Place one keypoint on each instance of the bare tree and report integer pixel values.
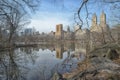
(113, 6)
(12, 14)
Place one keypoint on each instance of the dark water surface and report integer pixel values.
(39, 63)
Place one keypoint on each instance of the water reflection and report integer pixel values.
(39, 63)
(59, 51)
(9, 66)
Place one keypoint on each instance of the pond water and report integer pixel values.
(39, 63)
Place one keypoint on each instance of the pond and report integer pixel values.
(40, 63)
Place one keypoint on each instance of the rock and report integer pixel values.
(112, 54)
(57, 76)
(101, 64)
(92, 56)
(103, 50)
(97, 68)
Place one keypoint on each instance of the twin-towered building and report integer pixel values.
(102, 26)
(99, 31)
(82, 34)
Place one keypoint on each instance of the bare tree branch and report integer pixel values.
(78, 13)
(87, 14)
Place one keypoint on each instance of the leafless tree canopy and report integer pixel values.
(12, 13)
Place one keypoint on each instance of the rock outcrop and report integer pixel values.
(102, 63)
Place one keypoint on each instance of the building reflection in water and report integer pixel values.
(79, 49)
(17, 63)
(62, 48)
(59, 51)
(73, 55)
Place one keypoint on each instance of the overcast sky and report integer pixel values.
(61, 12)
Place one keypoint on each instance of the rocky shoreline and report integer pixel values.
(102, 63)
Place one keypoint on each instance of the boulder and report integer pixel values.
(112, 54)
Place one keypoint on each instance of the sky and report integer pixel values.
(51, 13)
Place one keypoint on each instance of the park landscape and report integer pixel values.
(87, 47)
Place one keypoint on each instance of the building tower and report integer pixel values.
(59, 31)
(103, 25)
(94, 20)
(102, 19)
(94, 26)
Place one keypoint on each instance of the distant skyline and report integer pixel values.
(61, 12)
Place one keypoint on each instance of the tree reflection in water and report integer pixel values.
(34, 63)
(9, 68)
(13, 65)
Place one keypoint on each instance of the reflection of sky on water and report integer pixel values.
(45, 63)
(36, 63)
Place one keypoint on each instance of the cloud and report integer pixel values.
(46, 21)
(50, 14)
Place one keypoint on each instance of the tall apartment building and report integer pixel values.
(59, 31)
